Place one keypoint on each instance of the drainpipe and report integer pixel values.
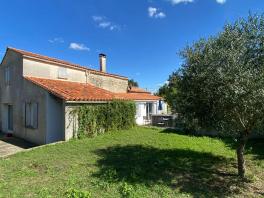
(86, 76)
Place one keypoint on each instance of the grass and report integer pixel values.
(141, 162)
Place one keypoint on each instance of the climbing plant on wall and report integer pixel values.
(94, 119)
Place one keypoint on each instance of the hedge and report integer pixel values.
(94, 119)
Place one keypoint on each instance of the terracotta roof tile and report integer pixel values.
(74, 91)
(46, 58)
(137, 90)
(138, 96)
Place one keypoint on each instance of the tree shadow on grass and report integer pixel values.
(201, 174)
(254, 147)
(175, 131)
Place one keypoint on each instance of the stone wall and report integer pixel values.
(109, 83)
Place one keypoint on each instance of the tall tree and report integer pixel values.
(169, 90)
(132, 83)
(221, 83)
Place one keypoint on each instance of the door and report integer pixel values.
(10, 118)
(149, 110)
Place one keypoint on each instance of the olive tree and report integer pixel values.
(169, 90)
(221, 82)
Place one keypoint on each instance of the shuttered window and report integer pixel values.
(32, 115)
(7, 75)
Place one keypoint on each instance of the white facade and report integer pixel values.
(144, 110)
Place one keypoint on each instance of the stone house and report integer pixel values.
(37, 94)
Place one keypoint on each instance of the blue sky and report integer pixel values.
(140, 37)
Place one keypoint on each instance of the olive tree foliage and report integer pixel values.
(221, 82)
(169, 90)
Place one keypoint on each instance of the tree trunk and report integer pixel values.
(240, 153)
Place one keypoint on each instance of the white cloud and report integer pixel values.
(79, 47)
(114, 27)
(174, 2)
(56, 40)
(221, 1)
(161, 15)
(103, 22)
(154, 13)
(97, 18)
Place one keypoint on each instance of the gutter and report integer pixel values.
(86, 102)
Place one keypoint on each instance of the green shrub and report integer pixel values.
(96, 119)
(73, 193)
(126, 190)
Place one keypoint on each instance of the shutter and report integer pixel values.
(7, 76)
(34, 115)
(139, 110)
(28, 114)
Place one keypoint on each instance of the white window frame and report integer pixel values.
(31, 115)
(62, 73)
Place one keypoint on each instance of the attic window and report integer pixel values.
(62, 73)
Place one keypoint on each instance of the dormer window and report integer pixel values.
(62, 73)
(7, 75)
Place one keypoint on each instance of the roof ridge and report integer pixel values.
(48, 58)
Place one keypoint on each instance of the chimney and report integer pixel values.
(102, 62)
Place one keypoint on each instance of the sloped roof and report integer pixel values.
(74, 91)
(138, 96)
(137, 90)
(46, 58)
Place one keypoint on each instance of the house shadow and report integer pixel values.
(16, 141)
(198, 173)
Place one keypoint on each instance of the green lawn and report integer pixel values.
(140, 162)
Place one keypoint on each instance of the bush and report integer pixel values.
(73, 193)
(95, 119)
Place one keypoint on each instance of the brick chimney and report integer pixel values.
(102, 62)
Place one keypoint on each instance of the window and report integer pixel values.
(7, 75)
(32, 115)
(149, 108)
(160, 105)
(62, 73)
(10, 117)
(138, 110)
